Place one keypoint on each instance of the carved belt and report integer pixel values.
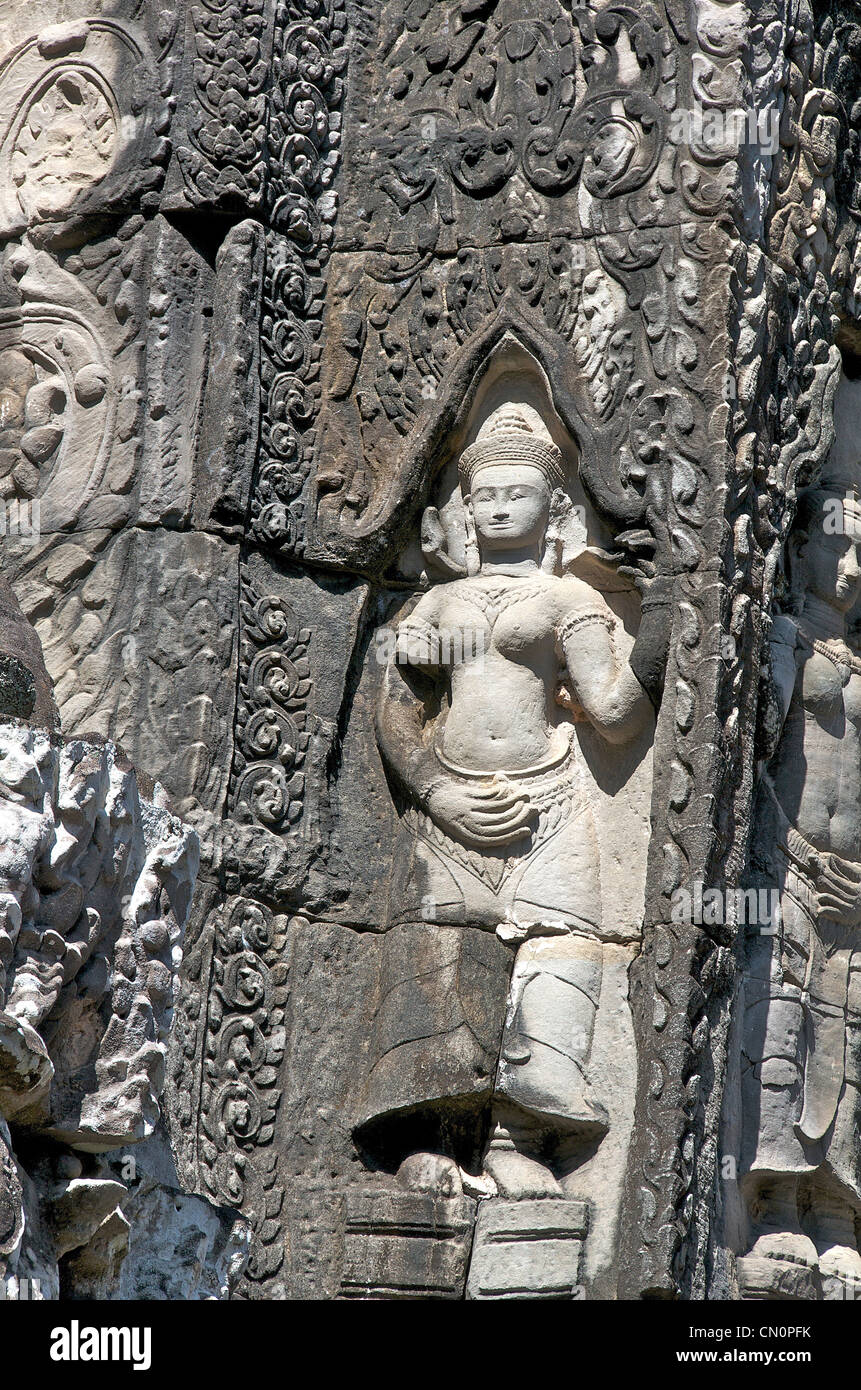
(555, 789)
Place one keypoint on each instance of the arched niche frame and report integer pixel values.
(509, 359)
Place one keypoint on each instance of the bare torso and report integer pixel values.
(503, 715)
(818, 773)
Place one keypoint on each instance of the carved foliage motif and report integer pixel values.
(784, 370)
(484, 147)
(225, 159)
(483, 131)
(679, 982)
(484, 101)
(304, 140)
(290, 353)
(489, 160)
(242, 1050)
(477, 196)
(271, 738)
(264, 88)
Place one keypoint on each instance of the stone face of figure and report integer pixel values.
(832, 567)
(476, 724)
(803, 985)
(510, 508)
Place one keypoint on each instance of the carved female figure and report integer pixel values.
(802, 1048)
(476, 726)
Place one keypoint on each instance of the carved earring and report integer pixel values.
(565, 537)
(473, 554)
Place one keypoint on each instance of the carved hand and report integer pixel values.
(483, 817)
(648, 658)
(839, 891)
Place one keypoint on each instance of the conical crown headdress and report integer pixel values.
(512, 434)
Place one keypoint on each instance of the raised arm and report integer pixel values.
(783, 649)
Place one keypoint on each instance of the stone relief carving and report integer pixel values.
(85, 118)
(476, 723)
(274, 689)
(800, 1080)
(95, 886)
(243, 1049)
(304, 131)
(485, 631)
(238, 369)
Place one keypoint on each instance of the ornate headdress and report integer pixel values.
(513, 434)
(833, 499)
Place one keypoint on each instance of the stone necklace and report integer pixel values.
(492, 594)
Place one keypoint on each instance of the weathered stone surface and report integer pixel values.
(26, 692)
(180, 1247)
(416, 428)
(528, 1249)
(95, 887)
(85, 115)
(144, 652)
(403, 1245)
(230, 416)
(799, 1140)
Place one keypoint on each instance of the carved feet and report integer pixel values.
(805, 1245)
(512, 1160)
